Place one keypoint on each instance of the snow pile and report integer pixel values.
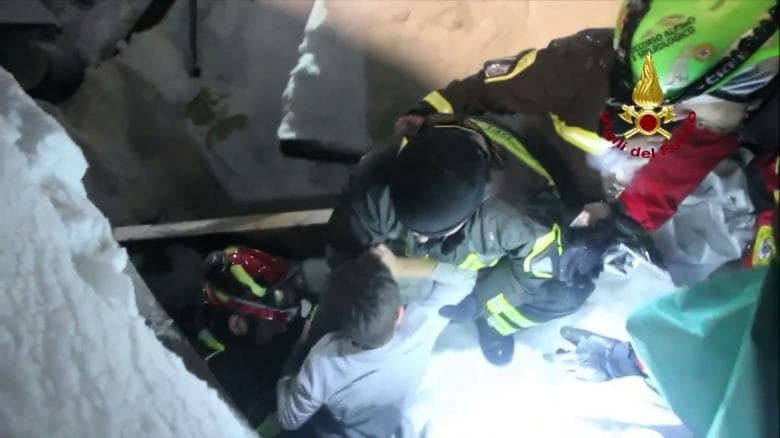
(94, 28)
(77, 360)
(363, 64)
(463, 395)
(185, 142)
(327, 71)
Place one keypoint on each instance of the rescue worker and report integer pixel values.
(718, 59)
(249, 293)
(251, 299)
(465, 191)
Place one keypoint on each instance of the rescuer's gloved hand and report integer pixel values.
(583, 256)
(466, 310)
(596, 358)
(409, 124)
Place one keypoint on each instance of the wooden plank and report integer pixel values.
(258, 222)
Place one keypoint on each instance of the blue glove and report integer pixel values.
(596, 358)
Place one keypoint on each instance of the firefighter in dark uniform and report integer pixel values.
(562, 90)
(466, 191)
(718, 59)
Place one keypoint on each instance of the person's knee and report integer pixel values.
(556, 300)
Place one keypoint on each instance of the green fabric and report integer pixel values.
(270, 428)
(688, 37)
(696, 344)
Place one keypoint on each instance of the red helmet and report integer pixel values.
(250, 282)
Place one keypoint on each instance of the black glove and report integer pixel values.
(596, 358)
(633, 235)
(583, 255)
(466, 310)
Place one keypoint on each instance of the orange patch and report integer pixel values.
(703, 52)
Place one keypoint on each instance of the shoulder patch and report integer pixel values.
(498, 67)
(504, 69)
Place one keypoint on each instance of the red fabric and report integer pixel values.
(660, 186)
(766, 164)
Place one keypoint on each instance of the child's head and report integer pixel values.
(368, 300)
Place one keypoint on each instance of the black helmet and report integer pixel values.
(439, 179)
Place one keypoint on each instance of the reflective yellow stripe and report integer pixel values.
(438, 102)
(764, 246)
(499, 305)
(207, 338)
(521, 65)
(404, 141)
(501, 326)
(241, 275)
(462, 128)
(471, 263)
(541, 244)
(474, 262)
(511, 143)
(588, 141)
(222, 296)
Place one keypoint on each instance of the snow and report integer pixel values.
(78, 359)
(328, 70)
(152, 161)
(462, 395)
(94, 29)
(363, 64)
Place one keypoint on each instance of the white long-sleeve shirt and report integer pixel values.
(366, 390)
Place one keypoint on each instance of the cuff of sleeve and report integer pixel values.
(449, 273)
(422, 109)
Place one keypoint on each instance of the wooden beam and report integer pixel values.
(259, 222)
